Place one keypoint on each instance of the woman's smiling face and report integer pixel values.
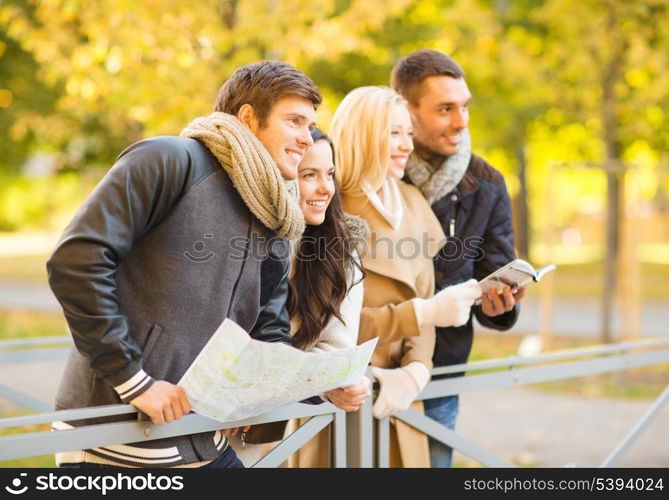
(315, 176)
(401, 141)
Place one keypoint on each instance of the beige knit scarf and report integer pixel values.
(252, 170)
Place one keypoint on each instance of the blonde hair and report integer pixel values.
(360, 131)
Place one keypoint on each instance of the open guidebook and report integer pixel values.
(516, 274)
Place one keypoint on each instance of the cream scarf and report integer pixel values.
(253, 172)
(387, 201)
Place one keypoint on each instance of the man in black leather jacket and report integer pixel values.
(147, 269)
(470, 200)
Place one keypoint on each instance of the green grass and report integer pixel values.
(636, 383)
(27, 268)
(43, 461)
(586, 281)
(28, 324)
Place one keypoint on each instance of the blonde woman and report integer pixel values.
(372, 135)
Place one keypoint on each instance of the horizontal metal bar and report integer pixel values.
(294, 442)
(34, 355)
(40, 443)
(282, 413)
(67, 415)
(533, 375)
(23, 399)
(551, 356)
(451, 438)
(35, 341)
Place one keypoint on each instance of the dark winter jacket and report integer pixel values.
(476, 218)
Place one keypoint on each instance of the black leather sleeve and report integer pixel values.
(273, 323)
(137, 192)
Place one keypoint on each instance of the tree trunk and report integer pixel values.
(611, 258)
(522, 233)
(613, 167)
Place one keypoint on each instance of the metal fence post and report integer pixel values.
(339, 440)
(360, 432)
(383, 442)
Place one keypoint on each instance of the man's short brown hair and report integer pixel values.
(263, 84)
(408, 74)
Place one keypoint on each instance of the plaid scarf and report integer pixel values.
(436, 183)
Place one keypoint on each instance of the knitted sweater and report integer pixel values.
(337, 335)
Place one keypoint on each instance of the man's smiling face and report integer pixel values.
(286, 133)
(441, 114)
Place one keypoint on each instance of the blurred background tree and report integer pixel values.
(568, 96)
(570, 103)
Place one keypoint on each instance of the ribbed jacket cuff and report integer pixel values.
(134, 386)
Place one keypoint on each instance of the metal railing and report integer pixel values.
(516, 371)
(36, 443)
(358, 440)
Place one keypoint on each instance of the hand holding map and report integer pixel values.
(235, 376)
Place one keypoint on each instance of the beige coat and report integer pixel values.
(398, 267)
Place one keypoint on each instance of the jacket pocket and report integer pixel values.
(151, 341)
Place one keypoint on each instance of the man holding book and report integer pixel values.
(470, 200)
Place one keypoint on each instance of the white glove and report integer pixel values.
(399, 387)
(449, 307)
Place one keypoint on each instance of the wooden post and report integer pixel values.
(629, 267)
(547, 288)
(613, 182)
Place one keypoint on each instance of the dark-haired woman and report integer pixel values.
(326, 293)
(326, 278)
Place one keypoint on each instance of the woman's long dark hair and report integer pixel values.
(324, 260)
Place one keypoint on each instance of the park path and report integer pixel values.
(544, 429)
(572, 317)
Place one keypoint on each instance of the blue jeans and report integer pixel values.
(445, 411)
(226, 460)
